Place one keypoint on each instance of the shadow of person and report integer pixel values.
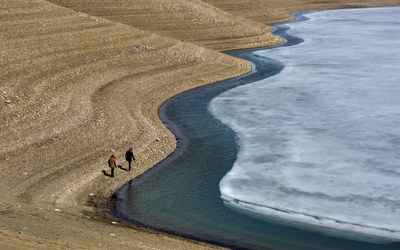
(105, 173)
(120, 167)
(114, 201)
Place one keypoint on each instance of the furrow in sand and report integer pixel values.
(187, 20)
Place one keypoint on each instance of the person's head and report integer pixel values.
(130, 149)
(112, 156)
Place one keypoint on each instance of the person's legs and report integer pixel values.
(112, 172)
(129, 166)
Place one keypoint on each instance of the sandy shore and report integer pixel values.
(84, 80)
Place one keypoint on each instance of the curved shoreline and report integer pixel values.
(183, 141)
(182, 145)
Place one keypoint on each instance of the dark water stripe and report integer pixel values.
(181, 196)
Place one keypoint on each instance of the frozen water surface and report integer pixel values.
(320, 141)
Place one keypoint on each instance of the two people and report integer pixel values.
(129, 157)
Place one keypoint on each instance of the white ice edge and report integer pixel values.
(307, 222)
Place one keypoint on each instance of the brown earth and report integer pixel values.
(273, 11)
(189, 20)
(84, 80)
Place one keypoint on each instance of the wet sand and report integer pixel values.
(84, 80)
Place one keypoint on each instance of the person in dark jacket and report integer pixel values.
(112, 163)
(129, 157)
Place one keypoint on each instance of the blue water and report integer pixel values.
(181, 195)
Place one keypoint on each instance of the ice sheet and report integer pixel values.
(320, 141)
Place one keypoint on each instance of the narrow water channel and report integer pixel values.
(181, 195)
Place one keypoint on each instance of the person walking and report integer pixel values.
(129, 156)
(112, 163)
